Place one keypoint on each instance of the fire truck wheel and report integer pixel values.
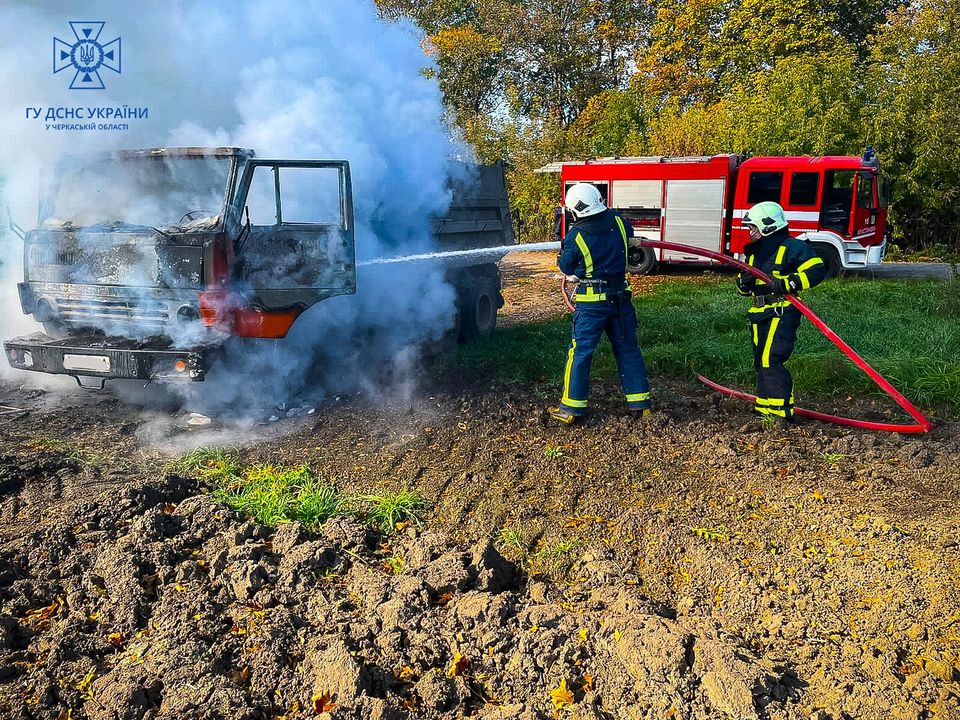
(831, 258)
(642, 261)
(478, 305)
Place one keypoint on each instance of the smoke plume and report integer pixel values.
(312, 79)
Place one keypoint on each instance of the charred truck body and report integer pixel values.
(144, 263)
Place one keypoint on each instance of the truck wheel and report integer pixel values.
(478, 305)
(641, 260)
(831, 258)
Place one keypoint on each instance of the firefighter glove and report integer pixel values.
(746, 284)
(784, 286)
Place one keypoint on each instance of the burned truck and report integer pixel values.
(144, 263)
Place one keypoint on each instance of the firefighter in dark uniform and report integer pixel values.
(773, 320)
(595, 253)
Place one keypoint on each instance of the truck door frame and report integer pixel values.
(341, 279)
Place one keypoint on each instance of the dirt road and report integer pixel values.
(690, 566)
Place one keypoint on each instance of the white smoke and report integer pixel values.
(313, 79)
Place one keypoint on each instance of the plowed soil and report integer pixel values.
(691, 565)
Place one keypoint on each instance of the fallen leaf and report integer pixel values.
(241, 677)
(168, 508)
(587, 683)
(84, 685)
(323, 702)
(40, 616)
(561, 696)
(405, 673)
(818, 496)
(443, 599)
(458, 666)
(583, 634)
(116, 639)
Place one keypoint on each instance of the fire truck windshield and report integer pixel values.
(152, 191)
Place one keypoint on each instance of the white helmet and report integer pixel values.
(584, 200)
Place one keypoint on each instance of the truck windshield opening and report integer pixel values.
(166, 191)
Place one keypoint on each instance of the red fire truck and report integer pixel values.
(838, 203)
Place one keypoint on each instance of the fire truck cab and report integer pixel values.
(837, 203)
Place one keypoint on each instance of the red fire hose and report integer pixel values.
(921, 426)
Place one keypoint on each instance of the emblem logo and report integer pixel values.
(87, 55)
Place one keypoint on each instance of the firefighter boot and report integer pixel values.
(640, 413)
(562, 415)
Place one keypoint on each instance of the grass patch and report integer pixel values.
(909, 330)
(216, 465)
(273, 495)
(390, 509)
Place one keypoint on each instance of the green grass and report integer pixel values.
(387, 510)
(907, 330)
(215, 465)
(273, 495)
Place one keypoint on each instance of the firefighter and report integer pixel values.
(773, 320)
(595, 254)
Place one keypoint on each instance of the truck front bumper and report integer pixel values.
(107, 358)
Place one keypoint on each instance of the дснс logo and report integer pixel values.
(87, 55)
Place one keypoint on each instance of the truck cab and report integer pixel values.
(838, 204)
(143, 262)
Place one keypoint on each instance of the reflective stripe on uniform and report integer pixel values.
(638, 397)
(765, 359)
(626, 247)
(756, 334)
(780, 253)
(566, 400)
(774, 305)
(801, 271)
(587, 257)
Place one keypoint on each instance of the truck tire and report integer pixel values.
(478, 303)
(831, 259)
(641, 260)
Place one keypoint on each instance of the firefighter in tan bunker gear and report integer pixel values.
(773, 320)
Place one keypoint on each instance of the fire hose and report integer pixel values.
(922, 424)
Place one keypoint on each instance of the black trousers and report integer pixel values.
(774, 337)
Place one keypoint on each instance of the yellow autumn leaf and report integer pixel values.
(617, 634)
(583, 634)
(458, 666)
(323, 702)
(818, 496)
(587, 683)
(561, 696)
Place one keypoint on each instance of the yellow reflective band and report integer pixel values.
(771, 411)
(765, 360)
(590, 295)
(776, 402)
(778, 304)
(638, 397)
(566, 380)
(801, 271)
(761, 401)
(626, 248)
(750, 261)
(756, 334)
(587, 257)
(780, 253)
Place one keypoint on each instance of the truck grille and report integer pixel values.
(80, 310)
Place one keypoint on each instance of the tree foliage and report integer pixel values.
(535, 81)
